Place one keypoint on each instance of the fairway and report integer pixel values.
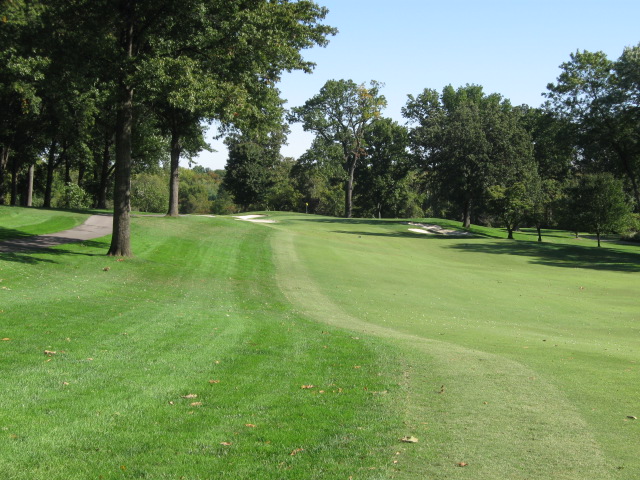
(308, 347)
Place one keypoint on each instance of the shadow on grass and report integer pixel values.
(12, 233)
(555, 255)
(31, 256)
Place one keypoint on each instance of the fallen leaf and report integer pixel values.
(49, 352)
(409, 439)
(106, 269)
(226, 444)
(214, 381)
(250, 425)
(196, 404)
(65, 383)
(463, 464)
(120, 260)
(6, 339)
(631, 417)
(307, 386)
(191, 395)
(296, 451)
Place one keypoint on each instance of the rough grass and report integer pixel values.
(506, 359)
(197, 312)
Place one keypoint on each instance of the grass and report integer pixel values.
(515, 359)
(197, 312)
(16, 222)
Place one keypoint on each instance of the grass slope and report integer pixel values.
(507, 359)
(16, 222)
(184, 362)
(535, 344)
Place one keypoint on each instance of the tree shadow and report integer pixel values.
(12, 233)
(558, 255)
(31, 255)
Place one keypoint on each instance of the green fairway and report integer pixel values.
(505, 359)
(536, 344)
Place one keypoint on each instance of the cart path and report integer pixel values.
(95, 226)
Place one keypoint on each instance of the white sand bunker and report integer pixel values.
(254, 218)
(428, 229)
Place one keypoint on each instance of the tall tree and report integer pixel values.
(598, 204)
(340, 114)
(253, 157)
(232, 48)
(599, 97)
(466, 141)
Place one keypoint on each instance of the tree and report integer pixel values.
(599, 99)
(382, 189)
(340, 114)
(232, 49)
(468, 141)
(253, 157)
(599, 204)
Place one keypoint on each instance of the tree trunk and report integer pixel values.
(51, 165)
(174, 174)
(466, 213)
(121, 236)
(598, 235)
(509, 232)
(30, 185)
(4, 160)
(105, 172)
(15, 167)
(348, 200)
(539, 233)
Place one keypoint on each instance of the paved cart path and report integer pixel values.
(96, 226)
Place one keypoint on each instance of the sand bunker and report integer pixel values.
(254, 218)
(428, 229)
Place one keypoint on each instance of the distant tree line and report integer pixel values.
(464, 154)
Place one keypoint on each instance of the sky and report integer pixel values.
(510, 47)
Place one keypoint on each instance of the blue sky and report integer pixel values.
(510, 47)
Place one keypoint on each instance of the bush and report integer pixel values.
(73, 196)
(150, 193)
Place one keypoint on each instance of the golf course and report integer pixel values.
(310, 347)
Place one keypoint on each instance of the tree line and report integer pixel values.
(103, 98)
(104, 89)
(464, 154)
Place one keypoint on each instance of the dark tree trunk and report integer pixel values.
(51, 165)
(15, 167)
(509, 232)
(598, 235)
(121, 236)
(539, 233)
(4, 160)
(67, 168)
(105, 173)
(30, 185)
(466, 213)
(174, 174)
(81, 169)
